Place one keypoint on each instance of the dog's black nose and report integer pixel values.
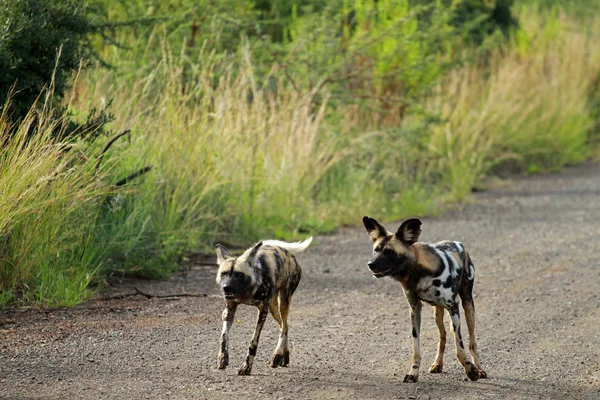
(227, 289)
(371, 265)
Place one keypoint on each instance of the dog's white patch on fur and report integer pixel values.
(471, 272)
(461, 248)
(427, 291)
(456, 266)
(443, 258)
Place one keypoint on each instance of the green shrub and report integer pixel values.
(41, 44)
(482, 18)
(257, 138)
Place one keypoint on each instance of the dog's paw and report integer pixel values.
(482, 374)
(436, 369)
(280, 360)
(472, 372)
(411, 378)
(222, 361)
(245, 369)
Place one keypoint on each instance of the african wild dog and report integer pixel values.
(435, 274)
(265, 276)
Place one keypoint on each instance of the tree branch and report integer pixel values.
(110, 143)
(285, 72)
(162, 296)
(128, 178)
(138, 292)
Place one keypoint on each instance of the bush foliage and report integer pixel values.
(264, 118)
(41, 44)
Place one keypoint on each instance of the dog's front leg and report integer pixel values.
(437, 365)
(262, 316)
(415, 319)
(227, 317)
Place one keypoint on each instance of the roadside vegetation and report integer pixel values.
(247, 120)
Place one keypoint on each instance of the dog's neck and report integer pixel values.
(412, 266)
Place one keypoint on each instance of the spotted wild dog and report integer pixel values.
(265, 276)
(433, 273)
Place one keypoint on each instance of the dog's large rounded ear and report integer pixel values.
(374, 228)
(254, 250)
(222, 253)
(409, 231)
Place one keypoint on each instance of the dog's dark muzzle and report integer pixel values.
(233, 288)
(379, 267)
(231, 292)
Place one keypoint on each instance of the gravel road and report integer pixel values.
(535, 244)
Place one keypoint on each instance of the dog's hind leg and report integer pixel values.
(274, 309)
(281, 356)
(466, 295)
(469, 308)
(436, 367)
(470, 369)
(263, 310)
(228, 314)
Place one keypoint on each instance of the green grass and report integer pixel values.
(531, 107)
(49, 202)
(284, 163)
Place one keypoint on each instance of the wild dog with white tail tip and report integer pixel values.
(265, 276)
(435, 274)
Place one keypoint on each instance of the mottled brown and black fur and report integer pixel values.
(265, 276)
(432, 273)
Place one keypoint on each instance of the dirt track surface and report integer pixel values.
(537, 294)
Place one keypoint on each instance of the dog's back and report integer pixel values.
(277, 261)
(448, 270)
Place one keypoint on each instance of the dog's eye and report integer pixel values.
(238, 274)
(389, 252)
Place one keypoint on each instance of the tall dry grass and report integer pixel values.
(233, 158)
(49, 201)
(239, 155)
(528, 107)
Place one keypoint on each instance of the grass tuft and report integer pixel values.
(239, 155)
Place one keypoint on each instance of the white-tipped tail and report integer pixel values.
(291, 247)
